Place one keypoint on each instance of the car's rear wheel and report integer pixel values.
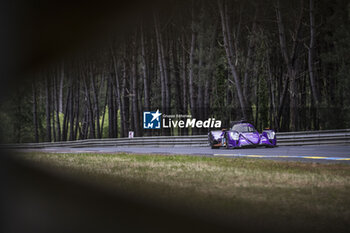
(226, 144)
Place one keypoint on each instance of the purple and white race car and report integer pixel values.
(241, 135)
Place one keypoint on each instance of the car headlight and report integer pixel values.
(234, 136)
(271, 135)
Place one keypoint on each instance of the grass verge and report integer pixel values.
(299, 196)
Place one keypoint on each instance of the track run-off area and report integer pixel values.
(320, 153)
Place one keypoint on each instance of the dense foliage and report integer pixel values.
(279, 64)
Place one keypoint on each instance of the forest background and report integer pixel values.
(278, 64)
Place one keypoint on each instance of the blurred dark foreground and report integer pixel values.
(34, 199)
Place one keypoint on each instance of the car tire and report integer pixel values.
(226, 139)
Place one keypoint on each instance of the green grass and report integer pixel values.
(300, 195)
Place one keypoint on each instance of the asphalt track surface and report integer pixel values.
(318, 154)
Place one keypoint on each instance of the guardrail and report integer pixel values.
(322, 137)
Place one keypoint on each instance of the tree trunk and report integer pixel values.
(199, 104)
(293, 99)
(134, 88)
(110, 109)
(144, 73)
(164, 62)
(290, 61)
(84, 129)
(311, 55)
(65, 124)
(273, 116)
(190, 73)
(200, 81)
(135, 96)
(48, 110)
(96, 105)
(125, 103)
(248, 64)
(177, 75)
(71, 115)
(104, 108)
(92, 133)
(117, 91)
(61, 88)
(230, 56)
(77, 108)
(160, 63)
(35, 113)
(206, 98)
(162, 71)
(53, 100)
(57, 105)
(282, 103)
(184, 85)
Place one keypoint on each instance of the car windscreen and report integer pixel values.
(243, 128)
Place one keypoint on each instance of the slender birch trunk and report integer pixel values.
(230, 55)
(35, 113)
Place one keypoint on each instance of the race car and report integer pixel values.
(241, 134)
